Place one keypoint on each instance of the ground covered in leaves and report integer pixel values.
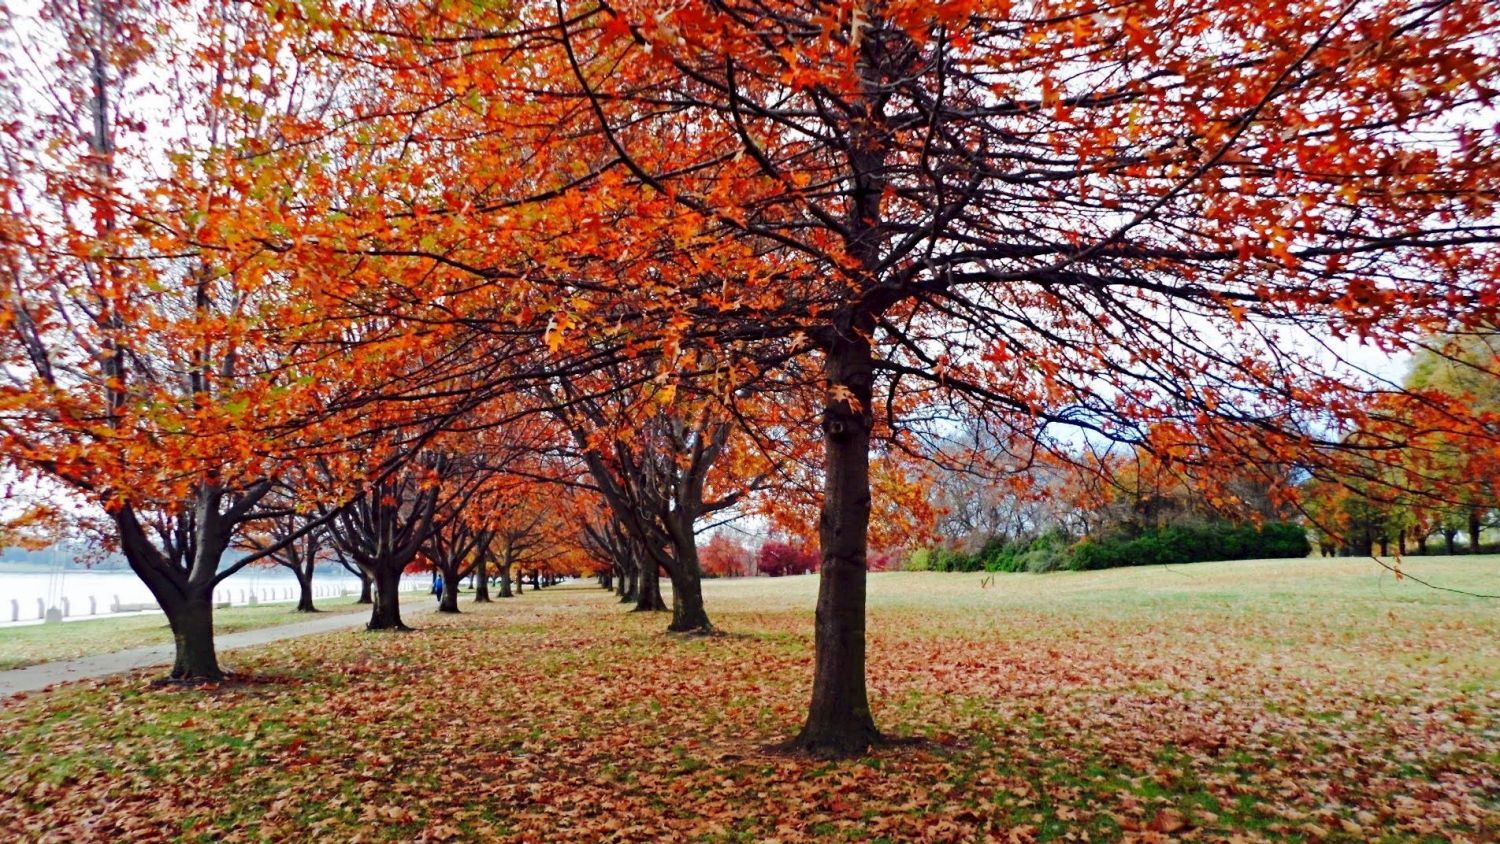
(1293, 700)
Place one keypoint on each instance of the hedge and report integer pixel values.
(1174, 544)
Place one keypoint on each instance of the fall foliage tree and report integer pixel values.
(383, 529)
(1046, 214)
(135, 340)
(777, 558)
(1139, 223)
(724, 556)
(291, 546)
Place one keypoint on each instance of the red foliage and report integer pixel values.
(883, 560)
(779, 558)
(724, 557)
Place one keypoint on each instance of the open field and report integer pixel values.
(1302, 700)
(29, 644)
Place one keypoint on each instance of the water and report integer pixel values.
(25, 596)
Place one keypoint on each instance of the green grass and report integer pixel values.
(30, 644)
(1293, 701)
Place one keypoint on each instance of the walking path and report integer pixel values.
(36, 677)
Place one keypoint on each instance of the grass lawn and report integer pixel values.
(29, 644)
(1304, 700)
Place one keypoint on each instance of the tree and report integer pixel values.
(657, 476)
(382, 530)
(1052, 218)
(139, 362)
(287, 543)
(726, 557)
(779, 559)
(1041, 216)
(1455, 377)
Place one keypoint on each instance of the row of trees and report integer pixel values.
(403, 273)
(1435, 487)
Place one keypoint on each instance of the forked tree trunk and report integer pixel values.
(1422, 544)
(191, 618)
(186, 603)
(838, 720)
(386, 613)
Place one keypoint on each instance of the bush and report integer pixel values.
(951, 559)
(1045, 558)
(1284, 540)
(1047, 552)
(1178, 544)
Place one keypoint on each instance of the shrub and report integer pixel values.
(955, 560)
(1046, 552)
(920, 560)
(1176, 544)
(1045, 557)
(1281, 539)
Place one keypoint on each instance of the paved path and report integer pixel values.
(36, 677)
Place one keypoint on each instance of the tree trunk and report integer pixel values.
(688, 614)
(191, 618)
(1448, 537)
(838, 720)
(481, 581)
(386, 614)
(536, 580)
(1474, 530)
(648, 592)
(631, 582)
(304, 592)
(1385, 545)
(448, 601)
(1422, 544)
(188, 605)
(505, 582)
(364, 591)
